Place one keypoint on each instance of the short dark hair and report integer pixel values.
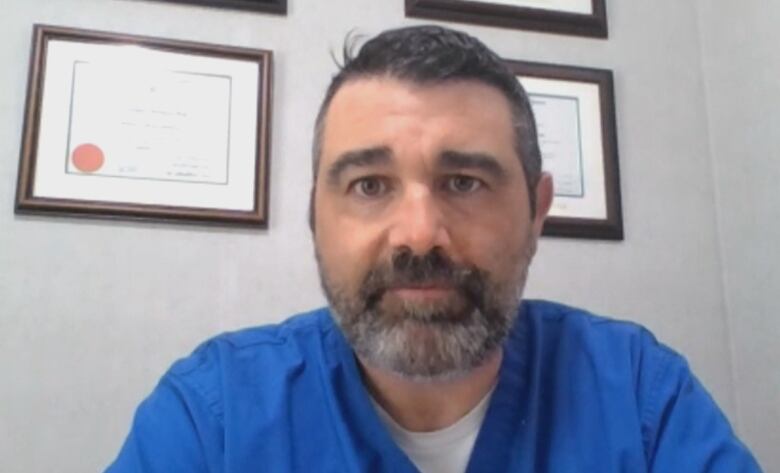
(431, 54)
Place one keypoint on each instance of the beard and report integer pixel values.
(427, 340)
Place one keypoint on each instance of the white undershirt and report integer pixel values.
(442, 451)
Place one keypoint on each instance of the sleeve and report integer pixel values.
(174, 430)
(685, 429)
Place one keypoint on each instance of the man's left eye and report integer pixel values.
(463, 184)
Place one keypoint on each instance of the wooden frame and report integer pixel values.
(168, 179)
(278, 7)
(592, 24)
(590, 208)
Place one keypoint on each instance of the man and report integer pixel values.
(427, 204)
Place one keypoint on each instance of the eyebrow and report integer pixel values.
(456, 160)
(358, 158)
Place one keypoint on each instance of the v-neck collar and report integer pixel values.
(508, 410)
(363, 431)
(366, 433)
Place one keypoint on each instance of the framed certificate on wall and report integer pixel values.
(574, 17)
(278, 7)
(122, 126)
(574, 108)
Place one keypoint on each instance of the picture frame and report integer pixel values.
(130, 127)
(574, 108)
(278, 7)
(570, 17)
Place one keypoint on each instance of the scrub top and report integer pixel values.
(576, 393)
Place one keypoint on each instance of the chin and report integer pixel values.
(437, 350)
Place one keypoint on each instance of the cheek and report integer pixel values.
(495, 243)
(496, 255)
(345, 252)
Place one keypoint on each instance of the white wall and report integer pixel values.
(742, 70)
(91, 313)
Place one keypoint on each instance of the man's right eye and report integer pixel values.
(369, 187)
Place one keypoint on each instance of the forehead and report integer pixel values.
(464, 115)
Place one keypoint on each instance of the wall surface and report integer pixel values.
(92, 313)
(742, 67)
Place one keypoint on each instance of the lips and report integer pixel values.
(422, 291)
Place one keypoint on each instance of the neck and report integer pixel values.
(426, 406)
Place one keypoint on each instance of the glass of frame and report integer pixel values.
(268, 6)
(574, 109)
(573, 17)
(122, 126)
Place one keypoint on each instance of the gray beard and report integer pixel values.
(427, 351)
(428, 341)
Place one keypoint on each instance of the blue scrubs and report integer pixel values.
(576, 393)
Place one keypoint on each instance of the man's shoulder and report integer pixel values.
(555, 313)
(576, 348)
(616, 375)
(295, 327)
(561, 331)
(555, 320)
(294, 330)
(251, 354)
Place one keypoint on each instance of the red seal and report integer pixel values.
(87, 158)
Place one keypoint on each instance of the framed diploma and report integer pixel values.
(122, 126)
(268, 6)
(573, 17)
(574, 109)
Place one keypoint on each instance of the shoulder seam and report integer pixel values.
(178, 382)
(275, 334)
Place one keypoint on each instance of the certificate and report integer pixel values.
(575, 121)
(125, 126)
(168, 125)
(574, 17)
(571, 6)
(560, 136)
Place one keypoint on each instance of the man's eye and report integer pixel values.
(463, 184)
(370, 187)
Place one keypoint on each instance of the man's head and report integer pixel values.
(427, 202)
(431, 55)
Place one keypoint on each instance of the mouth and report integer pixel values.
(422, 292)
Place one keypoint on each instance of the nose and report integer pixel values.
(419, 223)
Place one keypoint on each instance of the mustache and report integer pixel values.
(432, 268)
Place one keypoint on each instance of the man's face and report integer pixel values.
(422, 225)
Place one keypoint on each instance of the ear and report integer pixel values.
(544, 197)
(312, 210)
